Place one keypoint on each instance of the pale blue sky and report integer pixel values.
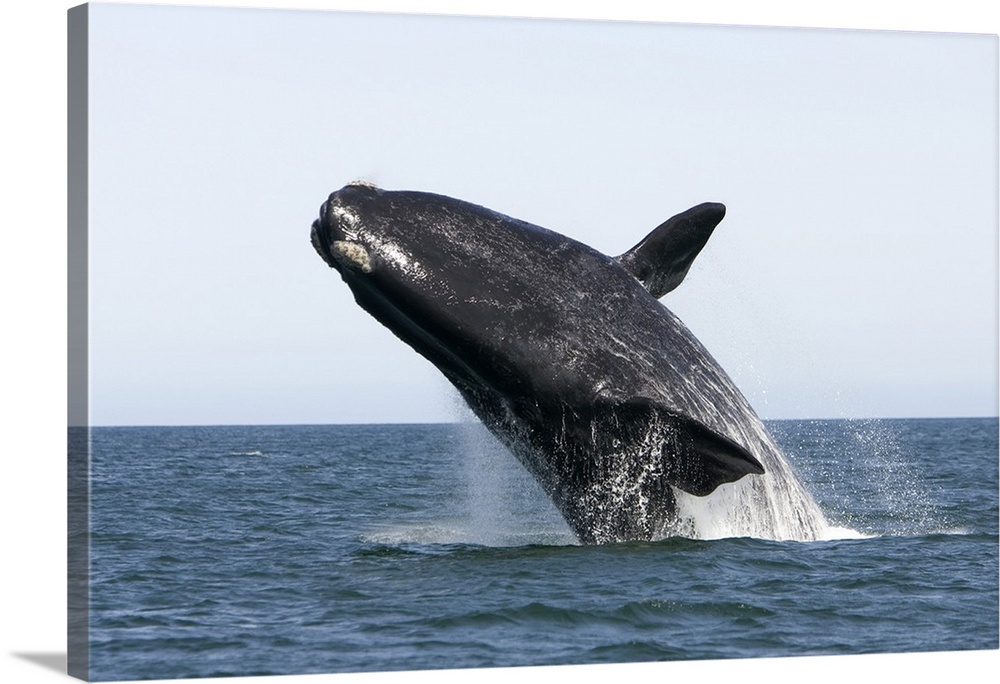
(854, 275)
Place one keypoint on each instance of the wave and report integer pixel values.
(450, 534)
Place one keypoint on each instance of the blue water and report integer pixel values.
(303, 549)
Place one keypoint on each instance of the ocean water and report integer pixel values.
(304, 549)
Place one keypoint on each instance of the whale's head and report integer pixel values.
(421, 265)
(491, 299)
(344, 234)
(397, 241)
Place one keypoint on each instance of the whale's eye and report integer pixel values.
(347, 220)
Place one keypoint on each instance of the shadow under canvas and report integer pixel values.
(50, 661)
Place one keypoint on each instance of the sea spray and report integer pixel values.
(775, 505)
(504, 501)
(874, 487)
(879, 459)
(504, 505)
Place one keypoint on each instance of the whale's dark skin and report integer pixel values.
(564, 353)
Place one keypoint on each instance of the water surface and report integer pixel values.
(305, 549)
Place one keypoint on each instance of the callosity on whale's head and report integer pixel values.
(563, 352)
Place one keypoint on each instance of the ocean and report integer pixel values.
(256, 550)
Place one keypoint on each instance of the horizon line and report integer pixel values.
(476, 422)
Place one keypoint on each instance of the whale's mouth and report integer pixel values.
(339, 254)
(321, 243)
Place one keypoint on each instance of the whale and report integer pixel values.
(565, 354)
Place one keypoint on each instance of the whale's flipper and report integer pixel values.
(662, 259)
(705, 459)
(635, 453)
(665, 447)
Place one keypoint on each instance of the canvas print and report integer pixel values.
(411, 342)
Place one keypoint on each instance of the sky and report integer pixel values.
(855, 274)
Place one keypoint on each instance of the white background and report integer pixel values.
(33, 272)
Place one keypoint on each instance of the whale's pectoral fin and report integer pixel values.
(666, 447)
(662, 259)
(700, 459)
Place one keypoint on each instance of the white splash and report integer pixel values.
(505, 505)
(775, 505)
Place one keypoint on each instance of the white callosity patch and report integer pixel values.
(352, 254)
(360, 183)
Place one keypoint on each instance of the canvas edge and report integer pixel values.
(77, 381)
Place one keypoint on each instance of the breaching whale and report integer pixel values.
(563, 352)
